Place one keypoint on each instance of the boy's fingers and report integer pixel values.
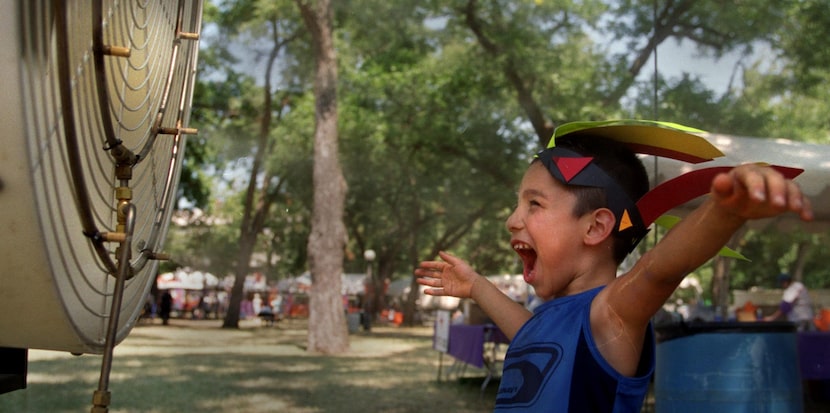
(795, 199)
(430, 282)
(779, 188)
(431, 265)
(449, 258)
(798, 202)
(763, 185)
(806, 209)
(754, 180)
(723, 185)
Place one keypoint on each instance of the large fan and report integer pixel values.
(96, 106)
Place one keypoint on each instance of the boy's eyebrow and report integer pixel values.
(531, 192)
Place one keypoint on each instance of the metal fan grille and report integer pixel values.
(142, 103)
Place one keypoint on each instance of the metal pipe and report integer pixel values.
(101, 397)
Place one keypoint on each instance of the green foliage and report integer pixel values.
(688, 101)
(715, 27)
(203, 245)
(801, 40)
(434, 134)
(772, 252)
(427, 149)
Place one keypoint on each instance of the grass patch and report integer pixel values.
(201, 367)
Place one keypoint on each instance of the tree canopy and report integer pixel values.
(442, 102)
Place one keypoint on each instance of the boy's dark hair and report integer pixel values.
(618, 162)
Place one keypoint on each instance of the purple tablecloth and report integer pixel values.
(814, 355)
(466, 342)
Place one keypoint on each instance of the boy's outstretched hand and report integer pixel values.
(754, 191)
(451, 277)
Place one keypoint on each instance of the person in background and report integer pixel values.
(166, 307)
(795, 304)
(276, 305)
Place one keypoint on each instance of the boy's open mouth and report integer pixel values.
(528, 256)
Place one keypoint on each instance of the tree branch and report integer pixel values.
(541, 125)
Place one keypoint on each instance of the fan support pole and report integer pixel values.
(101, 397)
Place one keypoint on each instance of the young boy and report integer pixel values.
(589, 347)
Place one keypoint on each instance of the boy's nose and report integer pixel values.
(513, 222)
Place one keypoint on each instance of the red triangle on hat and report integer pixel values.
(570, 167)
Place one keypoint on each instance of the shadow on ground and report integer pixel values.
(200, 367)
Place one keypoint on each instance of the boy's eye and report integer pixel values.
(533, 203)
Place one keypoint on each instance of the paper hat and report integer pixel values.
(664, 139)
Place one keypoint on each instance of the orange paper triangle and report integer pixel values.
(625, 222)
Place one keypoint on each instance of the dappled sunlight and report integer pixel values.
(164, 370)
(256, 383)
(35, 354)
(257, 403)
(386, 383)
(295, 383)
(369, 349)
(295, 367)
(134, 364)
(389, 364)
(47, 378)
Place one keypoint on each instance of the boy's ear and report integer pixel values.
(601, 226)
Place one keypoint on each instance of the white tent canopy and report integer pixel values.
(813, 158)
(351, 284)
(187, 279)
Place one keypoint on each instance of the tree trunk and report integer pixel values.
(246, 247)
(327, 332)
(720, 286)
(255, 210)
(720, 278)
(802, 253)
(410, 308)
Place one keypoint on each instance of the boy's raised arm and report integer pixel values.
(621, 312)
(746, 192)
(454, 277)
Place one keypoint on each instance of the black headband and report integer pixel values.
(571, 168)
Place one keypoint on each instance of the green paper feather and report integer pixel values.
(669, 221)
(571, 127)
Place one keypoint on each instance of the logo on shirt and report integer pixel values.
(526, 373)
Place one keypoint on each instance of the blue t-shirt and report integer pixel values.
(553, 365)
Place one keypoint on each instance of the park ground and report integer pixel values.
(193, 365)
(198, 366)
